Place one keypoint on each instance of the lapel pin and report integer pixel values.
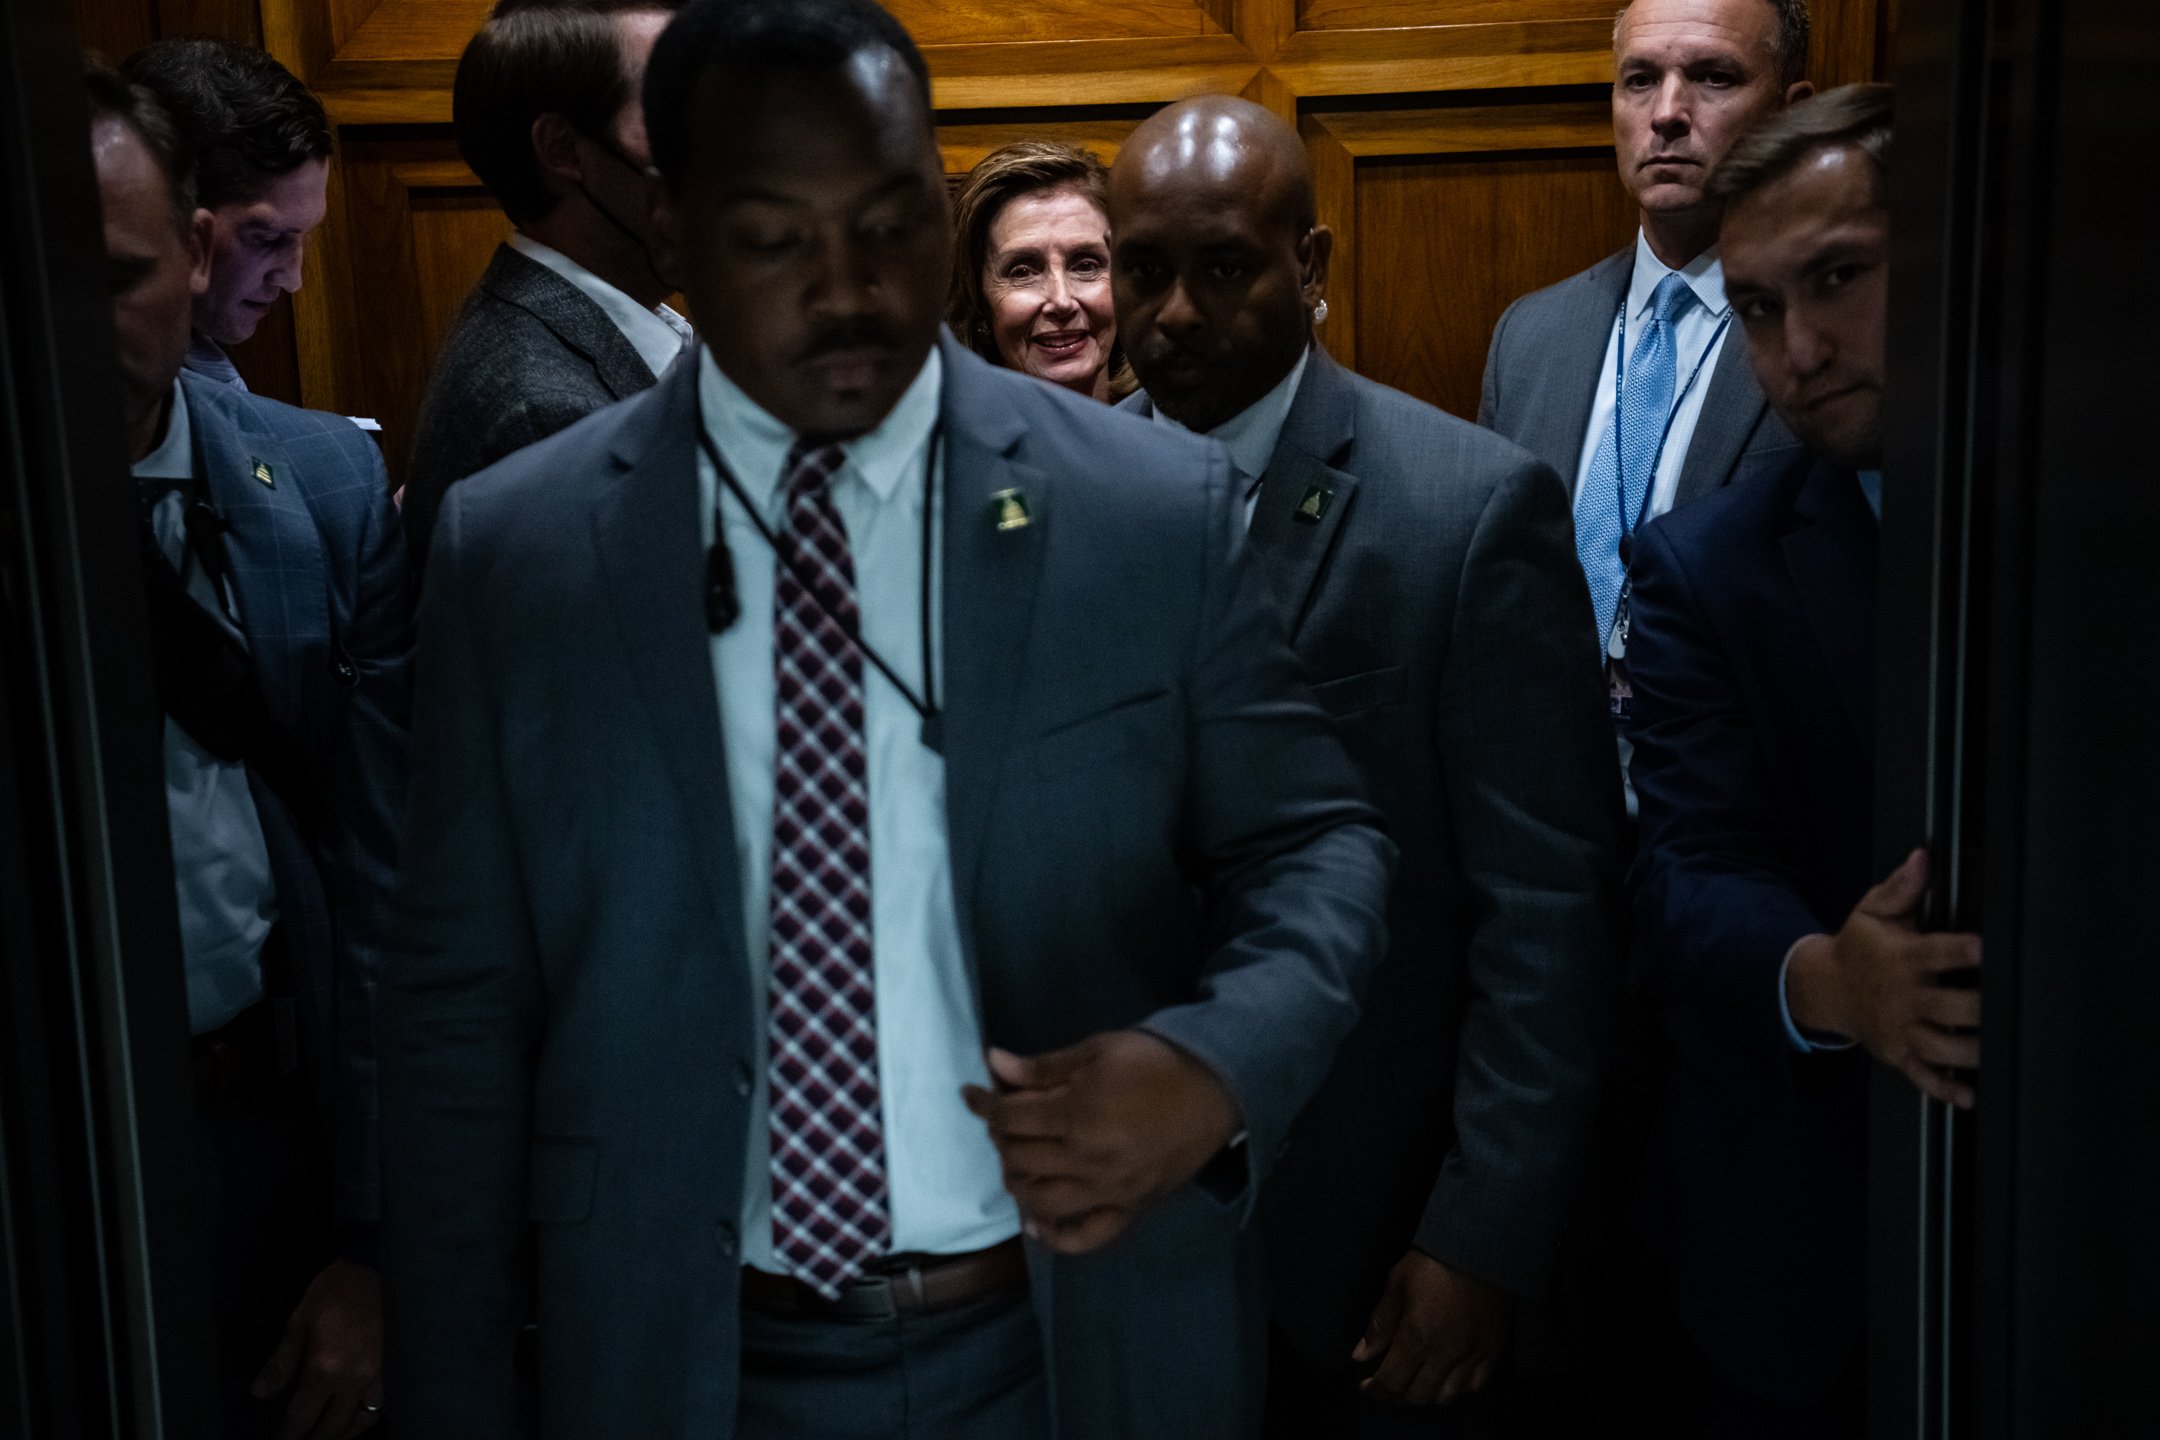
(264, 473)
(1314, 505)
(1010, 509)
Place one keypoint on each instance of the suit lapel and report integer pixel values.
(1292, 540)
(571, 317)
(990, 578)
(646, 531)
(1571, 361)
(1731, 410)
(271, 539)
(1830, 554)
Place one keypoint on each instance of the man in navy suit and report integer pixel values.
(280, 626)
(876, 910)
(1753, 669)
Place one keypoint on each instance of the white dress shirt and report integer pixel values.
(658, 334)
(1692, 332)
(221, 864)
(942, 1173)
(1252, 434)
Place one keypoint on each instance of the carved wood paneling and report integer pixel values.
(1462, 150)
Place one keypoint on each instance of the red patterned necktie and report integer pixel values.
(831, 1214)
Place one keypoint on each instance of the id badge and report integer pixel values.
(1619, 688)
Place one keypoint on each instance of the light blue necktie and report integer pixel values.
(1645, 404)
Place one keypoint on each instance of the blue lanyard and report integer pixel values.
(1629, 526)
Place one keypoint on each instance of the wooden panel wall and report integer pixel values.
(1463, 150)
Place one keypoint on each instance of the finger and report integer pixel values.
(1029, 1161)
(1088, 1232)
(1027, 1114)
(1406, 1355)
(1898, 896)
(341, 1411)
(1380, 1329)
(1939, 953)
(1939, 1085)
(1944, 1050)
(1038, 1072)
(369, 1419)
(1058, 1202)
(283, 1364)
(1950, 1008)
(307, 1405)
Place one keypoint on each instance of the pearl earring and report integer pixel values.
(1319, 313)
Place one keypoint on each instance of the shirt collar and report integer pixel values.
(1871, 487)
(174, 458)
(755, 444)
(1252, 434)
(650, 333)
(1705, 275)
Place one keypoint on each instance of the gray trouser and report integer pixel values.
(971, 1373)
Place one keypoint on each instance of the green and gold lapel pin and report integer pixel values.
(264, 473)
(1009, 509)
(1314, 505)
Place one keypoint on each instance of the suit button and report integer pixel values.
(342, 668)
(726, 1237)
(745, 1079)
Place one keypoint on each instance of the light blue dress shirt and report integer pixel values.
(221, 864)
(943, 1176)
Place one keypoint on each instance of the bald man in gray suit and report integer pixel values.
(1426, 572)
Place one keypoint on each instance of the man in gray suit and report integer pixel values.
(570, 315)
(1425, 570)
(1690, 78)
(881, 706)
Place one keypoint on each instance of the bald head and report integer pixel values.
(1229, 148)
(1217, 261)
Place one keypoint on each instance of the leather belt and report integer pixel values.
(898, 1285)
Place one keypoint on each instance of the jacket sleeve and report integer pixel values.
(460, 1024)
(1532, 775)
(363, 786)
(1289, 856)
(1716, 890)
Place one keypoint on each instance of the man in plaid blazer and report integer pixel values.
(281, 624)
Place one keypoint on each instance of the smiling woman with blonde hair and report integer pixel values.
(1031, 267)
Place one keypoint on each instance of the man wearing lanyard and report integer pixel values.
(1629, 381)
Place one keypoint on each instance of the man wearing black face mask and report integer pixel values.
(569, 316)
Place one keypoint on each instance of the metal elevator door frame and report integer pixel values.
(2014, 1262)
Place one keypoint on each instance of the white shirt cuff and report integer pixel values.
(1799, 1041)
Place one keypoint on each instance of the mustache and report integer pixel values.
(862, 334)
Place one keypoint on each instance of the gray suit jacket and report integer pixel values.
(528, 356)
(1437, 606)
(1151, 824)
(1542, 373)
(325, 602)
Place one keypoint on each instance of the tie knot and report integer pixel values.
(1672, 298)
(152, 489)
(810, 466)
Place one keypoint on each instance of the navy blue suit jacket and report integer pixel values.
(319, 563)
(1753, 657)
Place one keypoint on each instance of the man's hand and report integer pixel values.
(1094, 1134)
(333, 1343)
(1880, 981)
(1436, 1333)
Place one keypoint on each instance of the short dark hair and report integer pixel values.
(138, 108)
(248, 118)
(534, 58)
(758, 37)
(1863, 117)
(1793, 31)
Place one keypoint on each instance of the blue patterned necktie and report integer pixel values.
(1637, 435)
